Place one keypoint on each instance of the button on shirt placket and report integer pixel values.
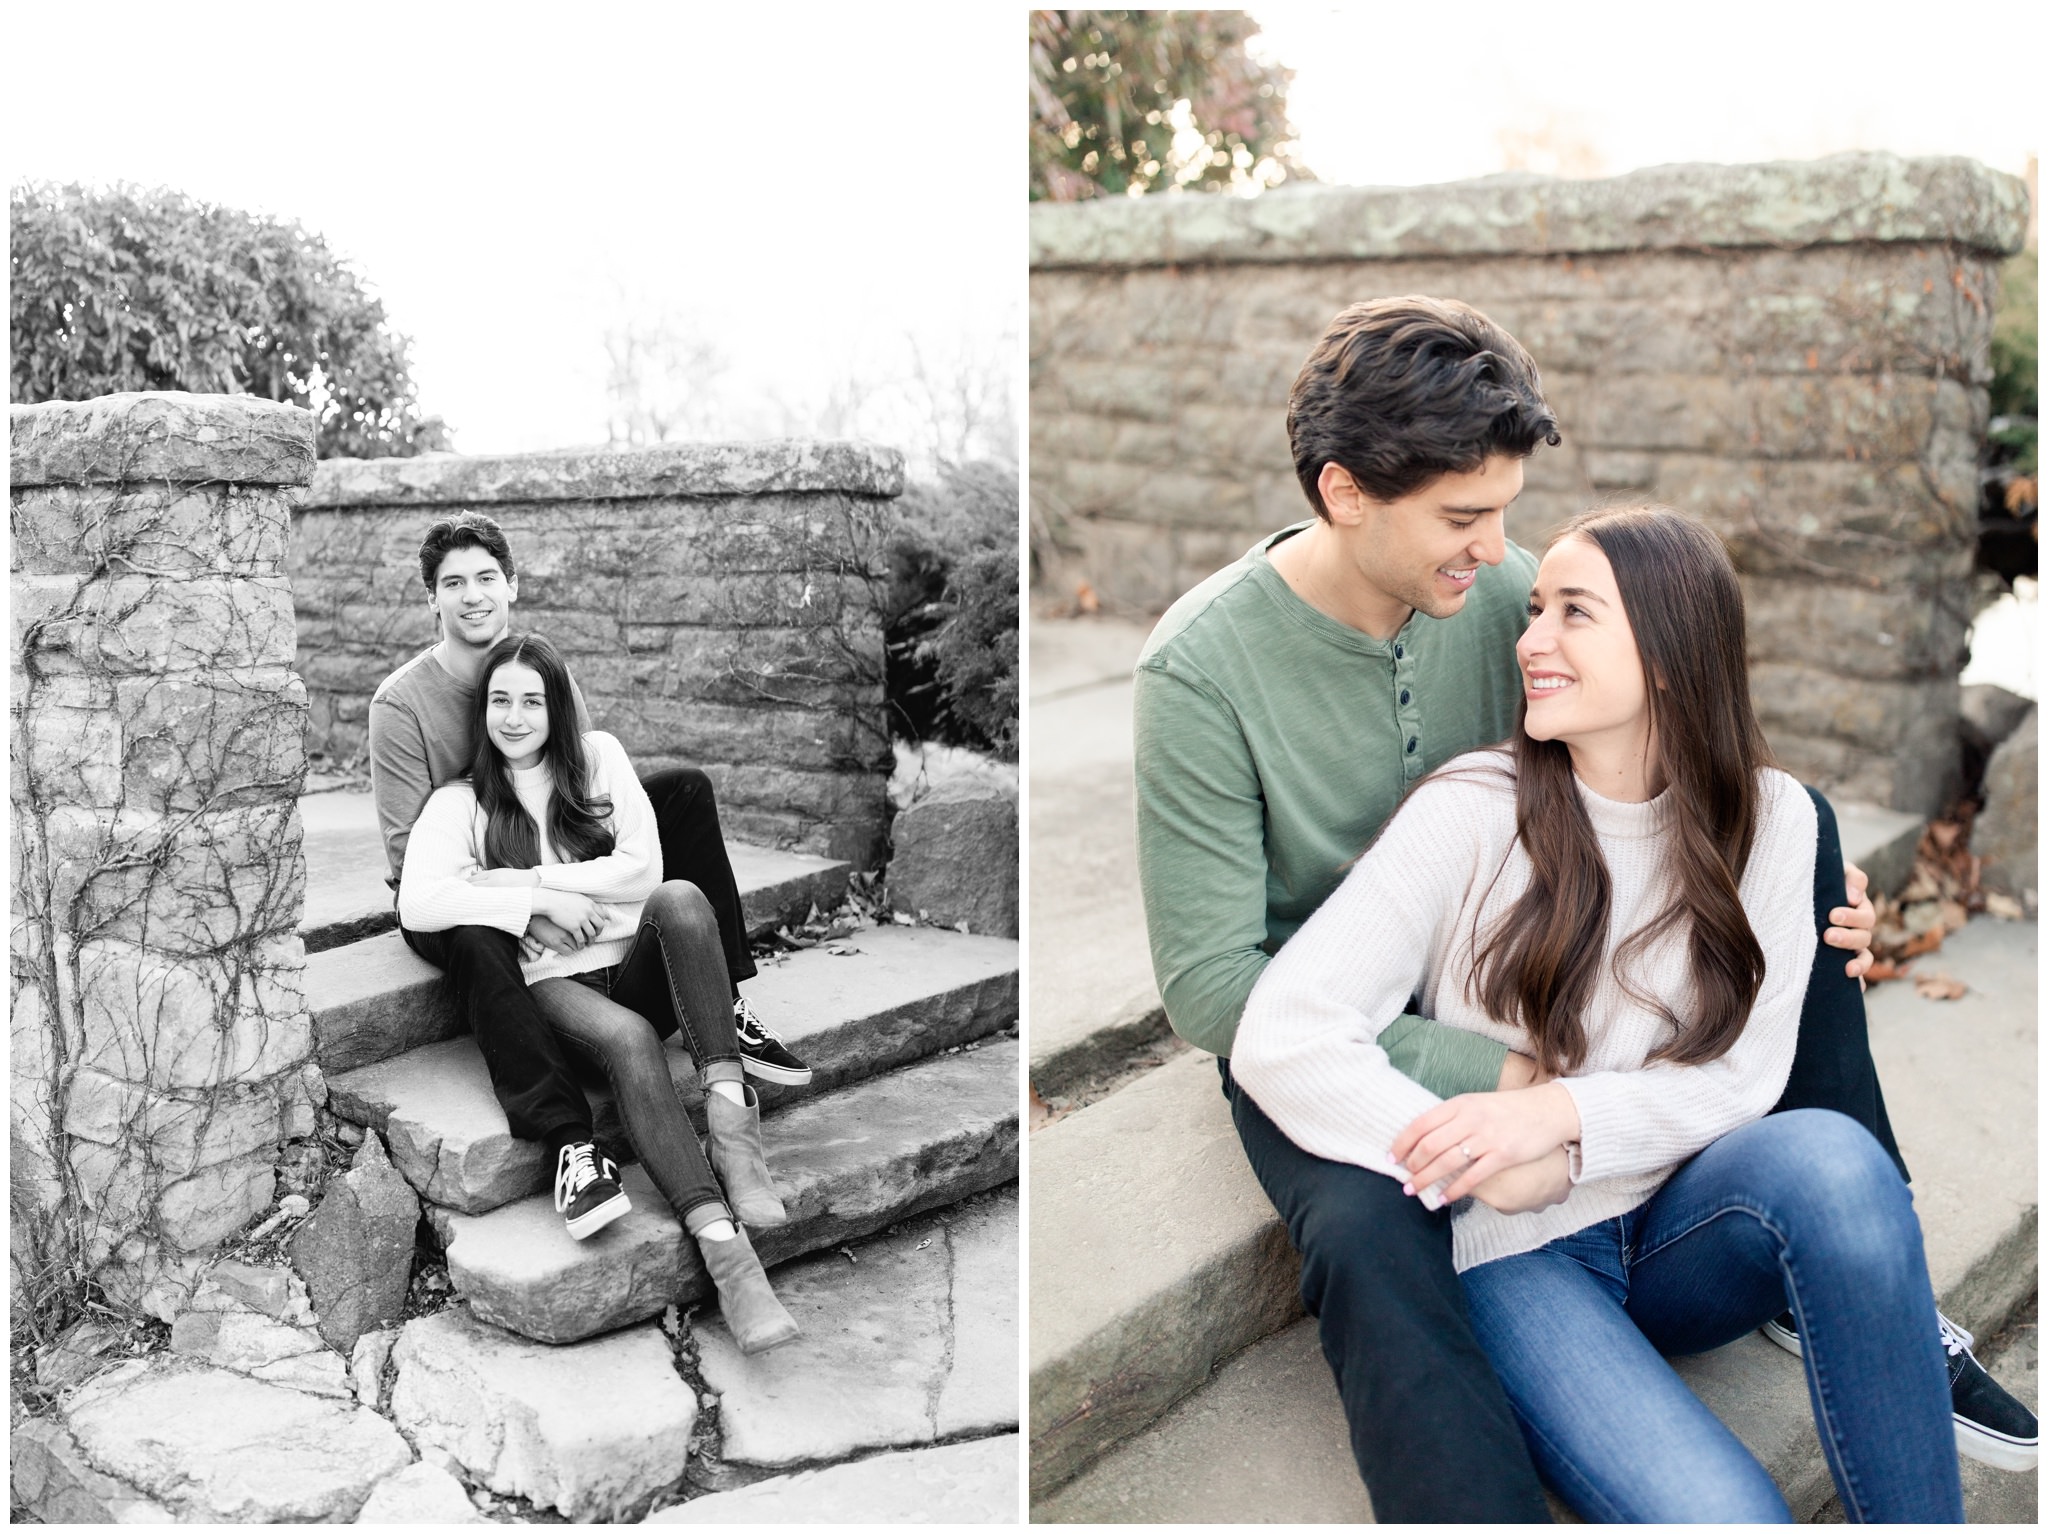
(1406, 711)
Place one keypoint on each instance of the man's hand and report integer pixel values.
(1533, 1185)
(541, 935)
(573, 913)
(1477, 1134)
(1852, 923)
(504, 878)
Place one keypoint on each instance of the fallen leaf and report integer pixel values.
(2004, 907)
(847, 1253)
(1885, 969)
(1939, 987)
(1925, 942)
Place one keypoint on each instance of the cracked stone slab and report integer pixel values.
(973, 1482)
(595, 1430)
(905, 994)
(259, 1321)
(419, 1494)
(214, 1446)
(52, 1478)
(849, 1164)
(912, 1341)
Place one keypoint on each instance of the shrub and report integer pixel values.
(949, 614)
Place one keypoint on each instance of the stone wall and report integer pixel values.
(714, 602)
(161, 1048)
(1795, 352)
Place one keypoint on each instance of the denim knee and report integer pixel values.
(1829, 1165)
(682, 911)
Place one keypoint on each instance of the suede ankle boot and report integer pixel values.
(753, 1314)
(741, 1165)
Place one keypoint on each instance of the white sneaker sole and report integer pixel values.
(1973, 1440)
(781, 1074)
(1995, 1449)
(592, 1221)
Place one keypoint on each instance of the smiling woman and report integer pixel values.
(1621, 893)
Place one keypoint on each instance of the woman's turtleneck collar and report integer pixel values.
(1622, 819)
(527, 779)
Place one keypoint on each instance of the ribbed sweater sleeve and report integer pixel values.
(434, 892)
(399, 775)
(632, 870)
(1308, 1047)
(1651, 1118)
(1201, 855)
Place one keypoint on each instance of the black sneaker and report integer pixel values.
(761, 1052)
(587, 1192)
(1991, 1426)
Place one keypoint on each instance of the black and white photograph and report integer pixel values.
(514, 908)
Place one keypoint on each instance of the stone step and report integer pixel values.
(347, 899)
(907, 1339)
(848, 1164)
(956, 1483)
(1156, 1255)
(902, 993)
(373, 997)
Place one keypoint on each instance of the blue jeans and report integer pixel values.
(1802, 1209)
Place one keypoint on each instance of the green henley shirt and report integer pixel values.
(1272, 744)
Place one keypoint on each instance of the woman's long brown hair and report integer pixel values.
(576, 819)
(1539, 963)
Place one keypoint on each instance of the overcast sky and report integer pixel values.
(1403, 95)
(805, 187)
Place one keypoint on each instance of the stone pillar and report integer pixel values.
(161, 1048)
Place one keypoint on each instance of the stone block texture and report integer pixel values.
(712, 599)
(1796, 353)
(159, 1022)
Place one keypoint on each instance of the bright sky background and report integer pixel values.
(1406, 95)
(805, 186)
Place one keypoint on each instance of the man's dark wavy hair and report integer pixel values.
(464, 530)
(1401, 391)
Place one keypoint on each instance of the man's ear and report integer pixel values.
(1341, 494)
(511, 588)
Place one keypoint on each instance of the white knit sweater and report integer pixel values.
(447, 845)
(1403, 924)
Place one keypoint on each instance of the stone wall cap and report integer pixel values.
(1843, 199)
(674, 469)
(160, 436)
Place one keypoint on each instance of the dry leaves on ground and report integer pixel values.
(1938, 899)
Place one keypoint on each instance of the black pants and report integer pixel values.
(528, 1072)
(1431, 1429)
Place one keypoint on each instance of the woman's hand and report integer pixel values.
(542, 935)
(580, 917)
(1533, 1185)
(504, 878)
(1478, 1134)
(1853, 923)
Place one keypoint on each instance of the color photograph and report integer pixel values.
(1531, 772)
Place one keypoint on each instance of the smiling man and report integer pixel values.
(1283, 707)
(420, 739)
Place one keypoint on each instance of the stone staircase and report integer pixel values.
(1172, 1377)
(911, 1033)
